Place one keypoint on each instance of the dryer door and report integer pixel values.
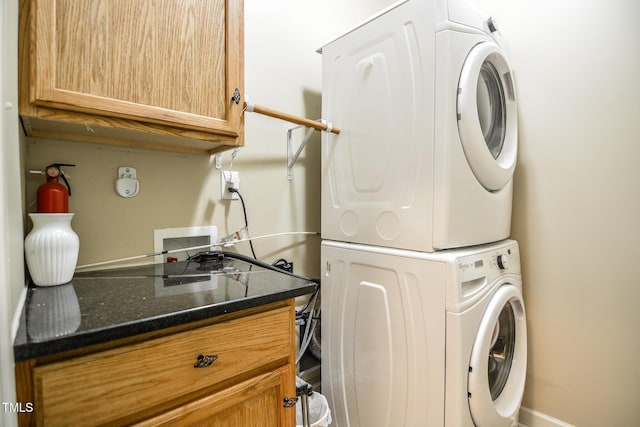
(487, 115)
(498, 362)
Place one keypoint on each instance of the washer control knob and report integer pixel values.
(503, 261)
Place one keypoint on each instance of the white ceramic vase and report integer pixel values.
(51, 249)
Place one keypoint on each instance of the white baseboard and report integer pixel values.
(533, 418)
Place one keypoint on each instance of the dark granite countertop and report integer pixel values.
(107, 305)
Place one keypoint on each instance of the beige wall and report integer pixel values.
(577, 203)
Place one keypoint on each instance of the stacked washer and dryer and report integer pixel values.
(423, 321)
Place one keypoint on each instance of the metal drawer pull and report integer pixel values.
(204, 361)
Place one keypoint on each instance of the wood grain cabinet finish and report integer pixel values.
(251, 403)
(156, 381)
(156, 74)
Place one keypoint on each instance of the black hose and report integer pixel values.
(267, 266)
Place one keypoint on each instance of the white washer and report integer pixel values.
(423, 339)
(486, 337)
(425, 99)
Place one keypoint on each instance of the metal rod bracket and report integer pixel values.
(292, 157)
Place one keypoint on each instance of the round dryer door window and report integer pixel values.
(498, 362)
(487, 115)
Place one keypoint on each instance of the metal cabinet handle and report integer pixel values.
(290, 402)
(236, 96)
(204, 361)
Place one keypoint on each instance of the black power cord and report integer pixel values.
(283, 264)
(246, 222)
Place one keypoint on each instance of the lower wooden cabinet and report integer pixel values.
(236, 371)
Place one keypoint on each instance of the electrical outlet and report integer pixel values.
(229, 179)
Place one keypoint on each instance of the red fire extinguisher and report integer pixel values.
(53, 197)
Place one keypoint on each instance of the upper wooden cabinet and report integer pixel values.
(158, 74)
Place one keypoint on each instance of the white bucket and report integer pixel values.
(319, 412)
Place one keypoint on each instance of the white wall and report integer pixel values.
(11, 202)
(577, 202)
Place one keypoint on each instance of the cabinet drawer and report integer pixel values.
(115, 384)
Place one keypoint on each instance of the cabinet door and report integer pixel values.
(171, 62)
(257, 402)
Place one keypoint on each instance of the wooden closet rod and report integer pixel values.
(291, 118)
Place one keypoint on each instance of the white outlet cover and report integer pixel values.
(232, 176)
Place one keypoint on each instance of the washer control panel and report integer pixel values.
(494, 261)
(480, 267)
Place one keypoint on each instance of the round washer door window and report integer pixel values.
(487, 116)
(498, 364)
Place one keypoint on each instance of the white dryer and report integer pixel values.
(425, 99)
(423, 339)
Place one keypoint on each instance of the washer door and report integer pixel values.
(487, 115)
(498, 362)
